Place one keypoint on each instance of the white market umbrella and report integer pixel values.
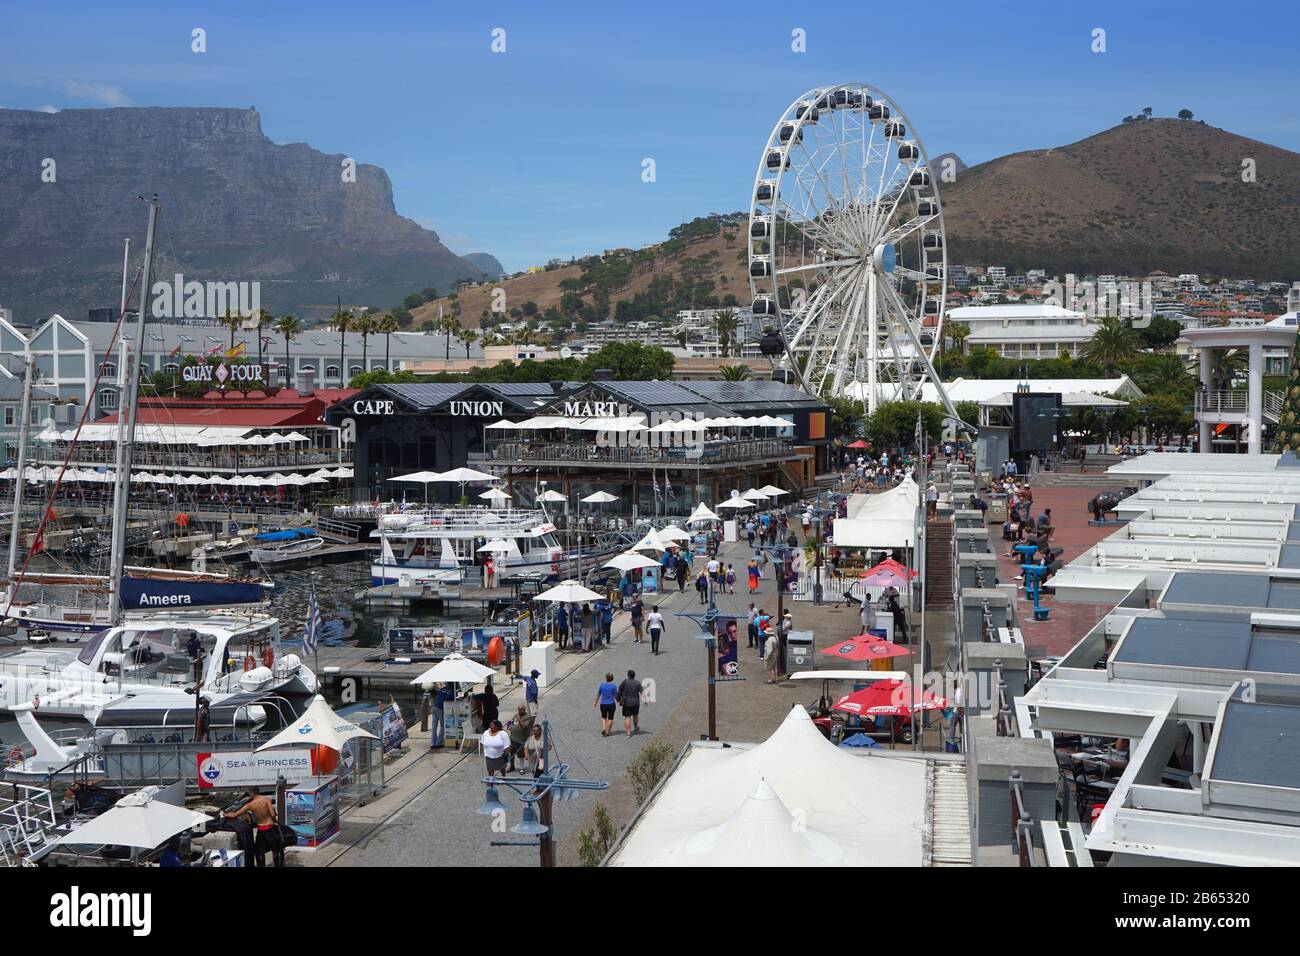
(737, 503)
(135, 821)
(420, 477)
(495, 494)
(600, 498)
(568, 592)
(629, 561)
(455, 669)
(753, 494)
(550, 494)
(674, 533)
(773, 491)
(318, 725)
(702, 513)
(463, 475)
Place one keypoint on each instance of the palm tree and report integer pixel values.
(448, 325)
(261, 320)
(364, 324)
(340, 322)
(287, 326)
(386, 325)
(232, 321)
(467, 337)
(957, 333)
(1112, 343)
(736, 373)
(1228, 365)
(725, 325)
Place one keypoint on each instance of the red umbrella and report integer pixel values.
(889, 564)
(857, 444)
(883, 577)
(889, 697)
(866, 647)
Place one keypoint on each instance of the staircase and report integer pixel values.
(938, 563)
(950, 825)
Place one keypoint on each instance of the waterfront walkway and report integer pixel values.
(427, 817)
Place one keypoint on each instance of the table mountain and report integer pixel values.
(235, 207)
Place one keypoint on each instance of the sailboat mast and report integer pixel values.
(24, 439)
(122, 484)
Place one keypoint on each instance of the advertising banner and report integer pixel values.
(728, 647)
(244, 768)
(394, 727)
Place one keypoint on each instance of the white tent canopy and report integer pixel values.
(600, 498)
(455, 669)
(420, 477)
(568, 592)
(674, 533)
(651, 542)
(715, 809)
(464, 475)
(550, 494)
(135, 821)
(495, 494)
(318, 725)
(702, 513)
(737, 503)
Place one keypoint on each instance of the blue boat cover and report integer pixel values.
(289, 534)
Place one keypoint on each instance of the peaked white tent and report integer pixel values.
(630, 561)
(318, 725)
(702, 513)
(651, 542)
(868, 805)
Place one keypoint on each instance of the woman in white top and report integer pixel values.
(495, 742)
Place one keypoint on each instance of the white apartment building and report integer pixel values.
(1024, 331)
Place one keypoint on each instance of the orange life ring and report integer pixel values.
(496, 651)
(249, 662)
(268, 656)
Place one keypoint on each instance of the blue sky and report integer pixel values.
(537, 152)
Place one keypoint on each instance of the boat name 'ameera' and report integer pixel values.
(164, 600)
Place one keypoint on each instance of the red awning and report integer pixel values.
(866, 647)
(889, 697)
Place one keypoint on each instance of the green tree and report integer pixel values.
(735, 373)
(467, 338)
(386, 325)
(1184, 114)
(288, 327)
(595, 841)
(725, 325)
(364, 325)
(232, 321)
(1160, 333)
(630, 362)
(382, 376)
(1112, 343)
(893, 424)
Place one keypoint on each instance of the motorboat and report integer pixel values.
(152, 665)
(282, 547)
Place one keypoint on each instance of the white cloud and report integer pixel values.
(47, 109)
(97, 92)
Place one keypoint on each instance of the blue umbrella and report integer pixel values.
(858, 740)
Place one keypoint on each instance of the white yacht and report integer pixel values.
(436, 545)
(147, 666)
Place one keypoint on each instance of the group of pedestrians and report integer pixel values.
(626, 695)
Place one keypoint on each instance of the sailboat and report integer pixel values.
(71, 606)
(146, 667)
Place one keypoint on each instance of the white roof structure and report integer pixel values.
(982, 389)
(886, 520)
(1011, 313)
(733, 806)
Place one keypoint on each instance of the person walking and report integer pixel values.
(562, 625)
(520, 727)
(488, 704)
(683, 570)
(638, 615)
(762, 624)
(750, 531)
(655, 622)
(588, 623)
(629, 695)
(931, 500)
(730, 579)
(702, 586)
(535, 752)
(607, 623)
(606, 699)
(753, 625)
(495, 742)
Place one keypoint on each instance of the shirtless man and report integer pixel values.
(262, 810)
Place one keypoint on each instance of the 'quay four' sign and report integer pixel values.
(223, 373)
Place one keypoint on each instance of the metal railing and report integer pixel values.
(712, 452)
(1022, 824)
(26, 822)
(1237, 401)
(87, 456)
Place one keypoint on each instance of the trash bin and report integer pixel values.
(799, 651)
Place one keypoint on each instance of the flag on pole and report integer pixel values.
(654, 476)
(237, 351)
(311, 632)
(175, 352)
(668, 487)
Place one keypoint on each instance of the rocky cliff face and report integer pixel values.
(235, 207)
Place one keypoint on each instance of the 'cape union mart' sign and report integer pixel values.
(223, 373)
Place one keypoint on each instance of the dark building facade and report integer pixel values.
(401, 429)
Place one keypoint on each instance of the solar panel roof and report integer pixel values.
(426, 394)
(1186, 642)
(1259, 743)
(1205, 588)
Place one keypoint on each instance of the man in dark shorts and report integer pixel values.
(262, 812)
(638, 613)
(629, 695)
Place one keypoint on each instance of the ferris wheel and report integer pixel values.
(847, 254)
